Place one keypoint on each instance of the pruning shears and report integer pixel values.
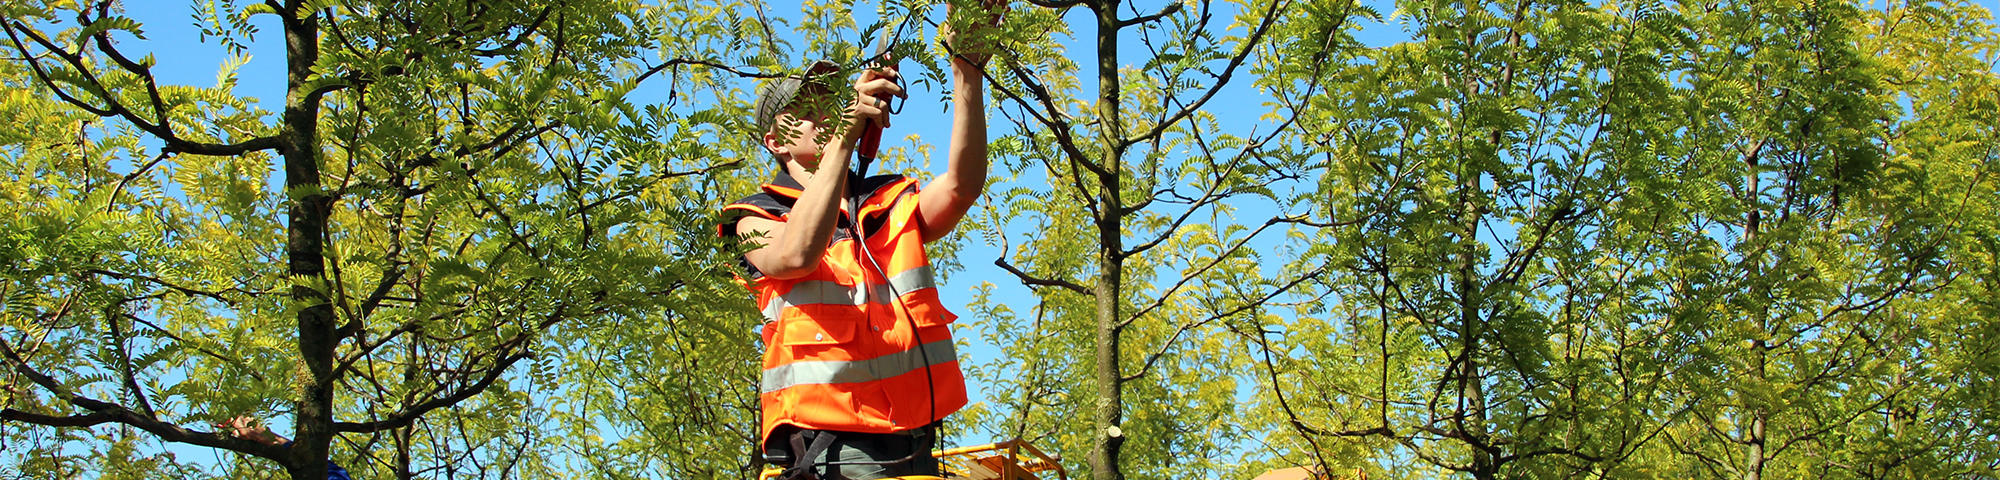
(871, 134)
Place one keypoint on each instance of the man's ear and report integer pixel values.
(776, 145)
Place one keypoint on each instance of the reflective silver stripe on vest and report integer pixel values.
(823, 292)
(857, 371)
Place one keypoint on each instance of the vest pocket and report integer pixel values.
(820, 325)
(927, 313)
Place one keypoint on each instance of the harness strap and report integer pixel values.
(811, 459)
(805, 456)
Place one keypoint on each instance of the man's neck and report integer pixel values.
(799, 174)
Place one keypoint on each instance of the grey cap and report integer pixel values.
(780, 93)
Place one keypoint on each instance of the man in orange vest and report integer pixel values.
(859, 366)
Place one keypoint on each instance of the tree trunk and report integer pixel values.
(404, 437)
(1472, 395)
(305, 246)
(1754, 440)
(1110, 411)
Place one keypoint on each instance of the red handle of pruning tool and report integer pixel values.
(871, 140)
(871, 134)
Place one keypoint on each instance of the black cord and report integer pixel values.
(930, 382)
(882, 47)
(861, 241)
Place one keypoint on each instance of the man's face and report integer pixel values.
(804, 129)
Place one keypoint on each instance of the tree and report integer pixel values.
(1139, 219)
(1788, 294)
(1631, 239)
(1486, 286)
(1939, 59)
(1537, 239)
(1844, 303)
(463, 188)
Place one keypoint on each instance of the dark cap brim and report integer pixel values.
(782, 92)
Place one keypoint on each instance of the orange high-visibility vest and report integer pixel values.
(862, 344)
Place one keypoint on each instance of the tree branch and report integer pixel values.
(381, 293)
(1211, 195)
(1061, 129)
(102, 412)
(1306, 432)
(1184, 328)
(1517, 265)
(1547, 451)
(1033, 281)
(408, 415)
(366, 348)
(83, 420)
(103, 40)
(1432, 459)
(217, 296)
(489, 375)
(518, 38)
(1171, 8)
(1198, 272)
(1055, 4)
(173, 143)
(1249, 44)
(737, 70)
(127, 373)
(42, 73)
(204, 351)
(655, 180)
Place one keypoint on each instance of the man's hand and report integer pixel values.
(979, 41)
(872, 91)
(249, 429)
(871, 111)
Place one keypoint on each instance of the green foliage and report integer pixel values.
(1536, 240)
(1637, 240)
(499, 210)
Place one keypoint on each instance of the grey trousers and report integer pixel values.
(863, 456)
